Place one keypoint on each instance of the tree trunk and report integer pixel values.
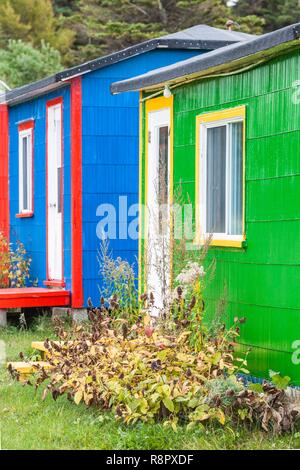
(162, 12)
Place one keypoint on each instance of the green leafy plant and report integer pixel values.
(279, 381)
(144, 374)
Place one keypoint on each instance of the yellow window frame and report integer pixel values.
(209, 118)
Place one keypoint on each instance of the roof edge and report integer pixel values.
(41, 86)
(217, 58)
(141, 48)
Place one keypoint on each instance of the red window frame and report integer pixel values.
(24, 126)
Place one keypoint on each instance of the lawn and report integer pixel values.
(30, 424)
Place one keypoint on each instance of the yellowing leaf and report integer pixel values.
(78, 397)
(165, 389)
(185, 358)
(193, 403)
(174, 427)
(221, 417)
(191, 426)
(216, 358)
(155, 397)
(168, 404)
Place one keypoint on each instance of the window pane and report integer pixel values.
(163, 175)
(25, 173)
(235, 222)
(216, 180)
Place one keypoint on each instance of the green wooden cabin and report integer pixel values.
(227, 126)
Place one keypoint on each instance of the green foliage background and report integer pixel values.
(61, 33)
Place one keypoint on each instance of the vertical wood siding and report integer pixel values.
(110, 139)
(32, 231)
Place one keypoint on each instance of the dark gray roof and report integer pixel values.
(32, 89)
(285, 38)
(208, 33)
(200, 37)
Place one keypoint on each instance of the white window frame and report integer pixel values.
(217, 239)
(26, 133)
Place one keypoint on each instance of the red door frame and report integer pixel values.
(55, 282)
(76, 192)
(4, 171)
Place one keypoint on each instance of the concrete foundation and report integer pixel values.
(79, 315)
(3, 318)
(59, 312)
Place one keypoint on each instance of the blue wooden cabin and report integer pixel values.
(69, 146)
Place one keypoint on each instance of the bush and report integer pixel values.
(118, 290)
(144, 374)
(172, 369)
(14, 264)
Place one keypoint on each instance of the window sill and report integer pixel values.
(229, 243)
(54, 283)
(25, 215)
(223, 243)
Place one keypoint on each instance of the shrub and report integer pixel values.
(4, 261)
(172, 369)
(144, 374)
(118, 290)
(14, 264)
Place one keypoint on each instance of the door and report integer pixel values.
(158, 201)
(54, 194)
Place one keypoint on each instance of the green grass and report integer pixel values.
(28, 423)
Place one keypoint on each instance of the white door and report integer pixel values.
(158, 201)
(54, 188)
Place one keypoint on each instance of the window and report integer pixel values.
(26, 169)
(220, 177)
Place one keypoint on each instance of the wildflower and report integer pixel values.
(191, 274)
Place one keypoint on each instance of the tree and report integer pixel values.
(21, 63)
(65, 7)
(111, 25)
(33, 21)
(274, 13)
(85, 29)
